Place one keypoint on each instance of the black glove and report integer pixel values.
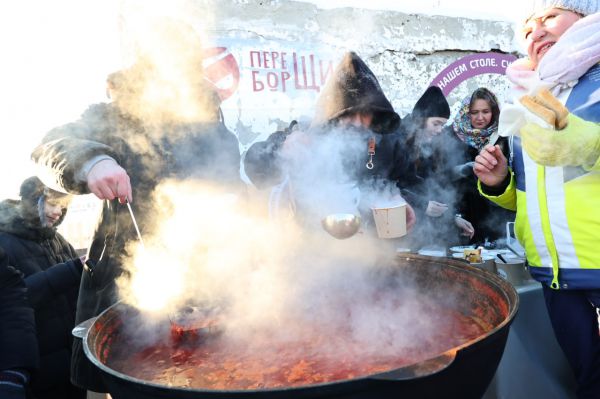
(13, 384)
(463, 170)
(9, 276)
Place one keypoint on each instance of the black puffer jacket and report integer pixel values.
(352, 88)
(52, 272)
(150, 155)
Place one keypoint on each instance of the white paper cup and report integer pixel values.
(390, 221)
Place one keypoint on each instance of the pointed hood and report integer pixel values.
(432, 104)
(354, 88)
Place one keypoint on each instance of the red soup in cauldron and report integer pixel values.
(296, 353)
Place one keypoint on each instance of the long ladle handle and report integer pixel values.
(137, 229)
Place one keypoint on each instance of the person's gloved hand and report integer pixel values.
(435, 209)
(9, 276)
(463, 170)
(465, 226)
(13, 384)
(577, 144)
(547, 107)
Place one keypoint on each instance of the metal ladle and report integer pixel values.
(341, 225)
(137, 229)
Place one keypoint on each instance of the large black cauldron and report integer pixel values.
(462, 372)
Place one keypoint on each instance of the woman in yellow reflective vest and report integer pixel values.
(552, 176)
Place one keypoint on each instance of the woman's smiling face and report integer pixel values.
(542, 31)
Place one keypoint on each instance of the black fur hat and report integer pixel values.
(31, 189)
(33, 193)
(432, 103)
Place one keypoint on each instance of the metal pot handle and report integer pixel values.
(82, 328)
(421, 369)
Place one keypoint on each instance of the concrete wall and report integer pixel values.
(405, 51)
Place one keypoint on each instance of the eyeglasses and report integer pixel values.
(548, 19)
(544, 21)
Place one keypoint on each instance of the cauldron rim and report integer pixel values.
(508, 289)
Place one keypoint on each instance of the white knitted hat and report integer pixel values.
(584, 7)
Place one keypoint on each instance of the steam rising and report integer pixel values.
(276, 278)
(166, 81)
(279, 278)
(441, 171)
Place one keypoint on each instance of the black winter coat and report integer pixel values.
(52, 272)
(488, 219)
(149, 154)
(352, 88)
(18, 344)
(441, 172)
(426, 173)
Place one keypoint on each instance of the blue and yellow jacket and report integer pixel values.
(558, 208)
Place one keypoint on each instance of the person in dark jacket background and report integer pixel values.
(474, 127)
(163, 123)
(19, 355)
(353, 106)
(52, 272)
(426, 173)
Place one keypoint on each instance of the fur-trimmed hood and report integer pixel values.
(13, 222)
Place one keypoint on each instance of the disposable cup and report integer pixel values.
(390, 221)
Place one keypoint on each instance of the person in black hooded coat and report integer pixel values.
(52, 272)
(427, 173)
(124, 149)
(19, 355)
(353, 101)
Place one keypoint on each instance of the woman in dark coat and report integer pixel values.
(123, 150)
(475, 126)
(426, 174)
(52, 272)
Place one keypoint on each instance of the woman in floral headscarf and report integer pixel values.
(477, 121)
(476, 125)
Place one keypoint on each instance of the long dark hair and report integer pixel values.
(486, 95)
